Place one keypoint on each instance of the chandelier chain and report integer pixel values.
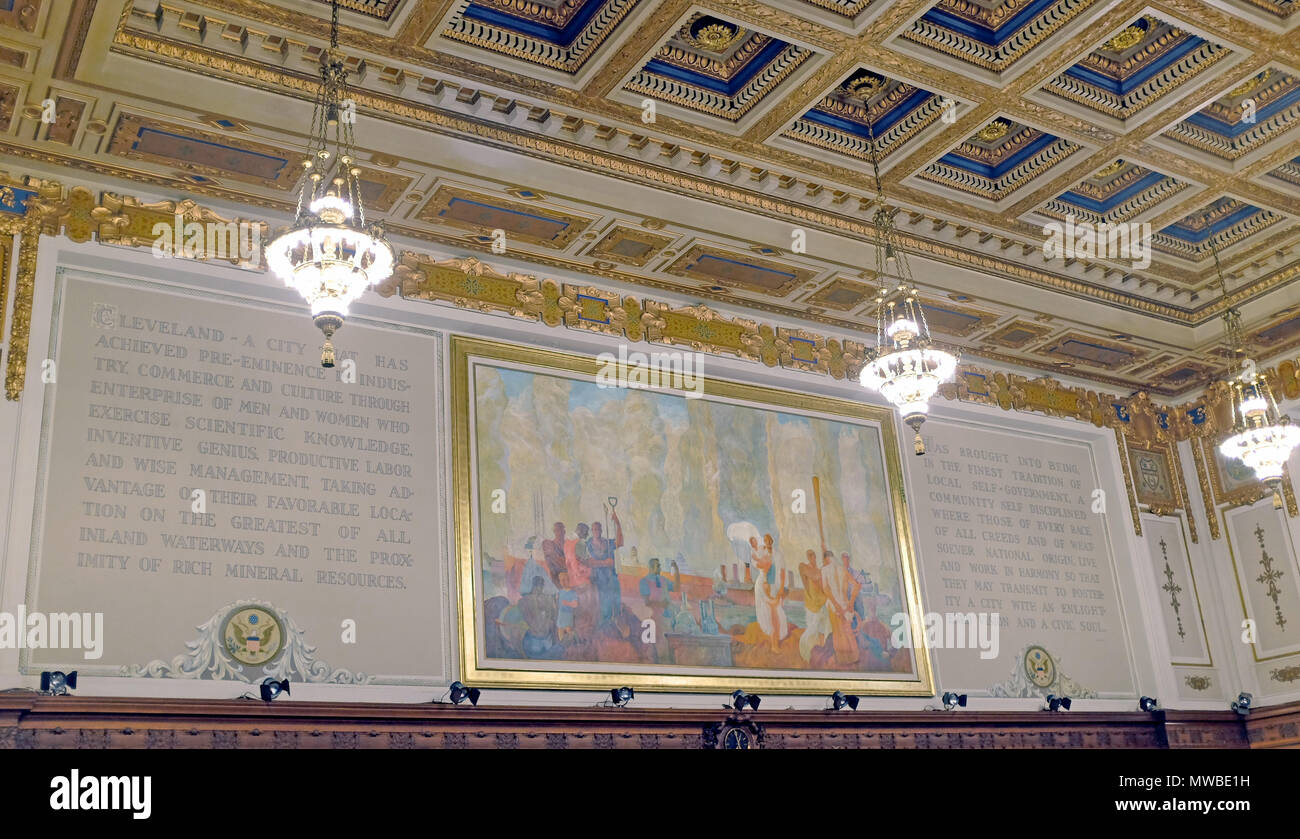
(1231, 314)
(888, 245)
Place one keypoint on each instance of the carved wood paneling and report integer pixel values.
(31, 721)
(1275, 728)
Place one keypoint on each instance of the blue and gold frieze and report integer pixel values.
(1253, 113)
(1145, 61)
(998, 159)
(717, 67)
(864, 104)
(1118, 192)
(13, 200)
(1221, 225)
(561, 36)
(992, 35)
(1288, 172)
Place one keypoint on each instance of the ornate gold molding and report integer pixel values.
(24, 289)
(1202, 478)
(1127, 470)
(126, 221)
(467, 283)
(701, 329)
(6, 261)
(596, 310)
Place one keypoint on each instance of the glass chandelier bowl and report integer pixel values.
(330, 254)
(1263, 437)
(904, 367)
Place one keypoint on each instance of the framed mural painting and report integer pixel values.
(703, 539)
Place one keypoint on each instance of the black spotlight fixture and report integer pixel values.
(1242, 703)
(1057, 703)
(952, 700)
(272, 687)
(58, 683)
(739, 699)
(622, 696)
(841, 700)
(1148, 704)
(459, 693)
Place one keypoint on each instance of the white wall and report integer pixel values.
(1147, 655)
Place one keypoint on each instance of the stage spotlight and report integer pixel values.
(622, 696)
(1147, 704)
(1057, 703)
(739, 699)
(1242, 703)
(459, 693)
(271, 688)
(953, 700)
(57, 683)
(840, 699)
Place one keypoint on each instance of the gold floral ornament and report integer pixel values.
(1250, 84)
(1111, 169)
(864, 85)
(713, 35)
(1130, 37)
(995, 130)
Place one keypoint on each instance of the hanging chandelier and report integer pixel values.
(1263, 437)
(330, 254)
(904, 366)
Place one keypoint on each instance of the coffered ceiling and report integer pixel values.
(721, 148)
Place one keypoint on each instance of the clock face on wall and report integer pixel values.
(1039, 667)
(735, 738)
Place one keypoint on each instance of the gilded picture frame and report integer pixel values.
(476, 366)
